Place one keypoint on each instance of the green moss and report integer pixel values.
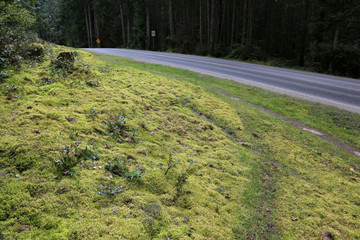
(298, 186)
(236, 190)
(46, 117)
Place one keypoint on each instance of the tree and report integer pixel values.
(15, 32)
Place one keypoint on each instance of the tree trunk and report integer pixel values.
(212, 27)
(250, 31)
(304, 34)
(208, 24)
(223, 20)
(233, 24)
(128, 30)
(335, 42)
(171, 19)
(87, 25)
(123, 24)
(336, 36)
(96, 27)
(90, 25)
(200, 25)
(244, 24)
(148, 37)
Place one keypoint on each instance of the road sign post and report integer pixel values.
(153, 35)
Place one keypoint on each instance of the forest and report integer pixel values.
(318, 35)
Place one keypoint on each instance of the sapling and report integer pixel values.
(170, 163)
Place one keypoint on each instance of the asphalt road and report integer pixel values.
(340, 92)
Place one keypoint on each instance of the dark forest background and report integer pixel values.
(319, 35)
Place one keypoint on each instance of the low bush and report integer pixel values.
(117, 167)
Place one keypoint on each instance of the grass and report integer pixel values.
(341, 124)
(254, 176)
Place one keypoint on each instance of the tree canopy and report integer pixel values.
(320, 35)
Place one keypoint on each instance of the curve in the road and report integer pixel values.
(340, 92)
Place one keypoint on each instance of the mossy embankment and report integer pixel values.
(343, 125)
(63, 130)
(109, 151)
(301, 187)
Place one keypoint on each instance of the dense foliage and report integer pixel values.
(15, 34)
(321, 35)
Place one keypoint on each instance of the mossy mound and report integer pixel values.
(35, 51)
(84, 162)
(65, 60)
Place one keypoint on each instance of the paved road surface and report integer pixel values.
(343, 93)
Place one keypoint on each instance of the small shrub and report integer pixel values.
(4, 74)
(117, 167)
(117, 127)
(11, 88)
(47, 81)
(133, 175)
(134, 136)
(104, 69)
(170, 163)
(245, 52)
(68, 160)
(87, 154)
(71, 156)
(93, 83)
(109, 188)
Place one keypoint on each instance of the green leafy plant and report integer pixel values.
(104, 69)
(170, 163)
(117, 167)
(109, 188)
(134, 136)
(93, 83)
(117, 127)
(11, 88)
(133, 175)
(69, 160)
(73, 135)
(71, 156)
(88, 154)
(181, 180)
(47, 81)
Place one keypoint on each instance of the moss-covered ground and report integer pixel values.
(343, 125)
(113, 151)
